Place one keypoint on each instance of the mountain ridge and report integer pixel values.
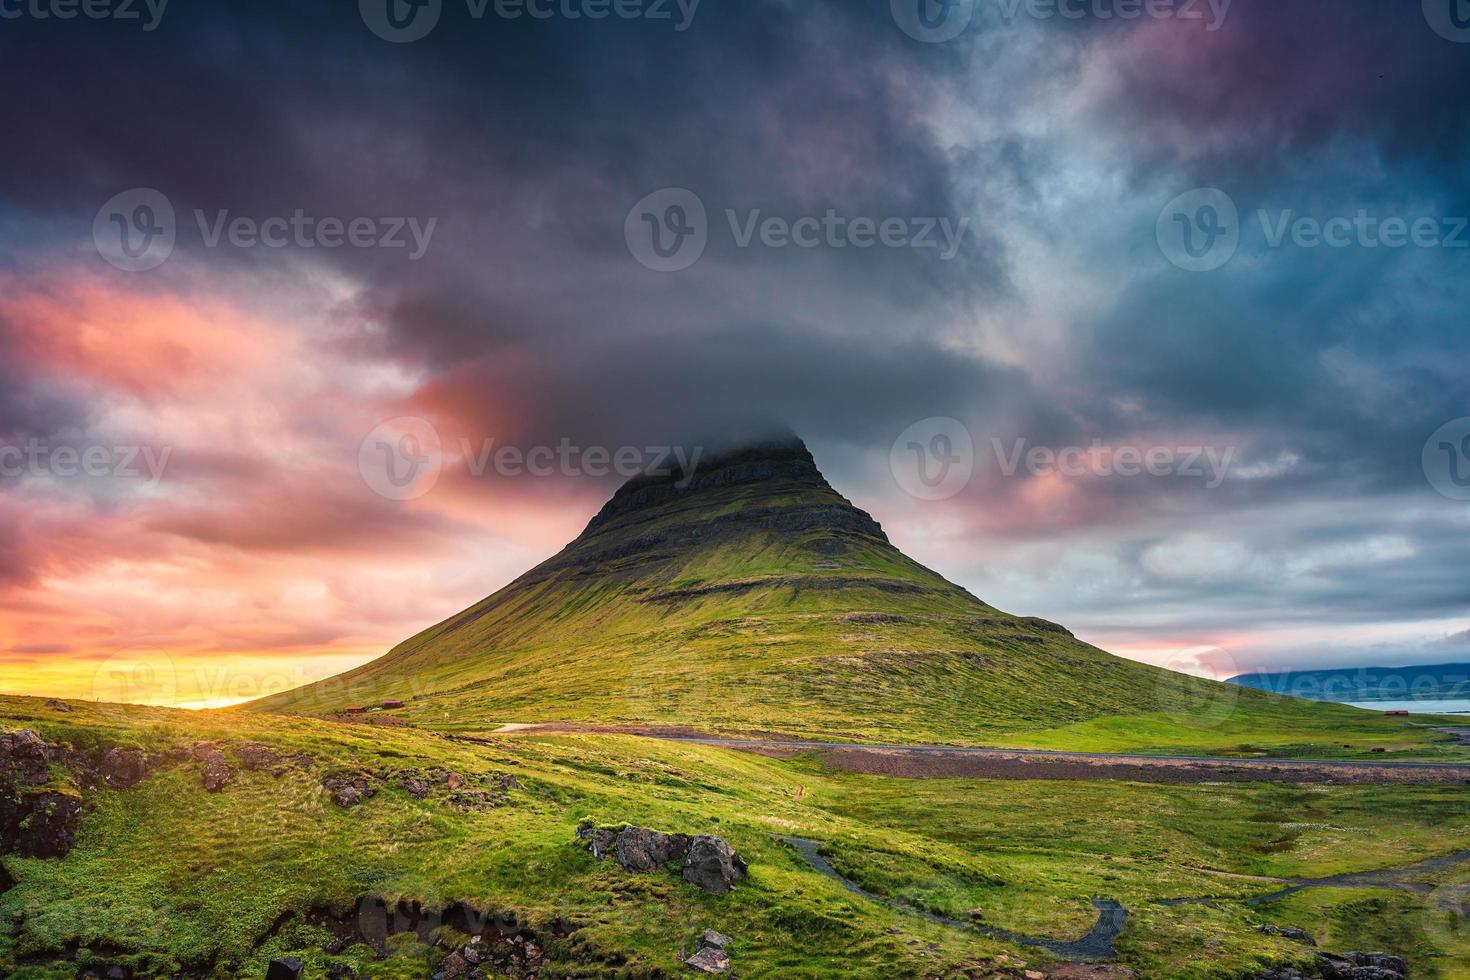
(749, 595)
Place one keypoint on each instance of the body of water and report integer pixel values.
(1443, 706)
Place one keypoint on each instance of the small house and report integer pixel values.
(356, 710)
(1397, 714)
(389, 705)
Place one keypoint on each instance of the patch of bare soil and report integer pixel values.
(998, 764)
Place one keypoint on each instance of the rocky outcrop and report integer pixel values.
(644, 851)
(39, 824)
(1348, 966)
(713, 865)
(709, 862)
(33, 822)
(24, 760)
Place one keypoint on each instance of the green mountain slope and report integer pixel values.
(753, 597)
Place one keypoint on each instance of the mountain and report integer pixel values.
(750, 596)
(1422, 682)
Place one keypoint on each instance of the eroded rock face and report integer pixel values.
(713, 865)
(39, 824)
(24, 760)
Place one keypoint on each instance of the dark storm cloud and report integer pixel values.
(528, 320)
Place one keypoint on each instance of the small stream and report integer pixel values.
(1100, 942)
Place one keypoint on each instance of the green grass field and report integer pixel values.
(168, 876)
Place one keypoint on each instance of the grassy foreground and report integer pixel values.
(168, 877)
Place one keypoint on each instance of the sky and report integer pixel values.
(318, 324)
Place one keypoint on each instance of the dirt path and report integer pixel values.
(941, 761)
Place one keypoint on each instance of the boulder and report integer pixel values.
(709, 960)
(453, 966)
(642, 851)
(56, 705)
(123, 768)
(1287, 932)
(201, 750)
(217, 772)
(24, 760)
(285, 968)
(509, 782)
(713, 865)
(454, 781)
(1381, 961)
(716, 939)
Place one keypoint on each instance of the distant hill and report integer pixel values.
(1366, 683)
(752, 597)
